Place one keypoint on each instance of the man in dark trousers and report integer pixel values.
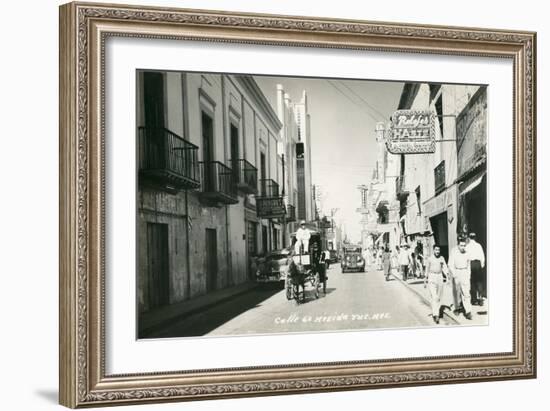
(477, 266)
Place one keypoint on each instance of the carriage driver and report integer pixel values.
(302, 237)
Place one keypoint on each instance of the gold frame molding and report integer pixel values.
(84, 27)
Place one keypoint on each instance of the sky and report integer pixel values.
(343, 116)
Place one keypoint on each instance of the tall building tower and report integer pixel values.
(306, 205)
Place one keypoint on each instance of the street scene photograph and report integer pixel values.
(279, 204)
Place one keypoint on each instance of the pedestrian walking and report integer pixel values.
(395, 259)
(386, 262)
(477, 267)
(253, 267)
(436, 276)
(404, 261)
(459, 267)
(379, 254)
(326, 258)
(419, 253)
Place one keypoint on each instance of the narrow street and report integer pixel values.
(353, 301)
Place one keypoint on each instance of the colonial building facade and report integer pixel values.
(429, 198)
(211, 173)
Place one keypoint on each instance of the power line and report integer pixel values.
(314, 162)
(382, 116)
(354, 102)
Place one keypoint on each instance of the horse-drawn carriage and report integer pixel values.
(306, 268)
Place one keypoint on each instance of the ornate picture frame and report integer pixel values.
(84, 29)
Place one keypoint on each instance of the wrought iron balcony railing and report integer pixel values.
(218, 183)
(167, 159)
(269, 188)
(246, 176)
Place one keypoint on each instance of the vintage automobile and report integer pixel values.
(352, 259)
(273, 268)
(333, 256)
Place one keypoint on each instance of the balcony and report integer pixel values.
(400, 189)
(218, 184)
(166, 159)
(270, 207)
(246, 176)
(290, 213)
(268, 188)
(270, 203)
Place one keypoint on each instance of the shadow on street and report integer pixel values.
(199, 324)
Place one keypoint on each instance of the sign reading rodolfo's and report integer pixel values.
(412, 131)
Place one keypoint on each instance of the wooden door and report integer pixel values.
(158, 267)
(211, 259)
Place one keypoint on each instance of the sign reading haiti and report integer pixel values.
(412, 132)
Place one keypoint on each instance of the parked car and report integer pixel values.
(352, 259)
(273, 268)
(333, 256)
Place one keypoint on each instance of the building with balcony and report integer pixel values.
(427, 186)
(207, 147)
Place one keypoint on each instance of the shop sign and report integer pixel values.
(411, 132)
(270, 207)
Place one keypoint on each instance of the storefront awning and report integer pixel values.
(469, 187)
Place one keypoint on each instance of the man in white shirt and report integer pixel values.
(404, 260)
(477, 265)
(459, 267)
(302, 238)
(436, 276)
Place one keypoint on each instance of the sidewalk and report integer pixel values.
(416, 285)
(159, 317)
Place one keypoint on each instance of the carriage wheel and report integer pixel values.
(288, 287)
(296, 293)
(317, 285)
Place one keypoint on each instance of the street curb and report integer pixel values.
(183, 314)
(426, 300)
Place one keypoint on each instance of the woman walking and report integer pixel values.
(386, 262)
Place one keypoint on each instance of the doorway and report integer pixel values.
(211, 259)
(475, 202)
(234, 136)
(263, 188)
(157, 264)
(208, 151)
(153, 103)
(264, 239)
(441, 233)
(251, 245)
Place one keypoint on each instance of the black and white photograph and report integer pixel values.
(293, 204)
